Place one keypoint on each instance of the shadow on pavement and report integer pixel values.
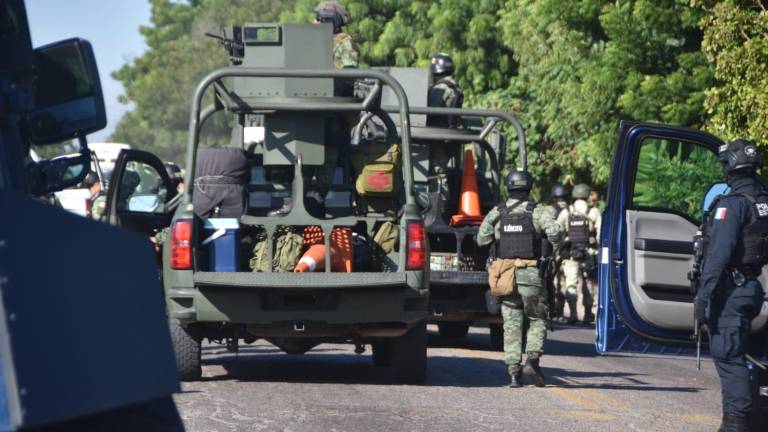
(347, 368)
(569, 348)
(560, 378)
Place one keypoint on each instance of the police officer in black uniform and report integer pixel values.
(729, 294)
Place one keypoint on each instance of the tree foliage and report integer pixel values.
(736, 42)
(161, 82)
(571, 70)
(585, 65)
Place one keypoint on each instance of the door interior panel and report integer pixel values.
(658, 263)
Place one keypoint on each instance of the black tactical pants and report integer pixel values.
(731, 311)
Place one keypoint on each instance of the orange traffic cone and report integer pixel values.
(469, 209)
(312, 260)
(341, 252)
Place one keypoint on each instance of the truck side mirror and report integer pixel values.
(68, 102)
(715, 189)
(59, 173)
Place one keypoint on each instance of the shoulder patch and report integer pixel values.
(762, 209)
(720, 213)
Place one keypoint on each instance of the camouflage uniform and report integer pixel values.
(345, 54)
(573, 270)
(530, 301)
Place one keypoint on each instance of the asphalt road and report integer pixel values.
(333, 389)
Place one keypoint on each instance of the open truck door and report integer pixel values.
(659, 186)
(141, 197)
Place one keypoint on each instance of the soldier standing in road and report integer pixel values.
(582, 226)
(558, 201)
(518, 228)
(729, 294)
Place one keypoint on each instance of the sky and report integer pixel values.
(112, 27)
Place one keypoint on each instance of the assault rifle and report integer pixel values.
(547, 272)
(693, 276)
(234, 46)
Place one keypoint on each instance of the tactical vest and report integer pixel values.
(753, 250)
(518, 237)
(578, 228)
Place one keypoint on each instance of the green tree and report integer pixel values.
(161, 82)
(736, 42)
(585, 65)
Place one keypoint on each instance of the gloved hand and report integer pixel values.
(700, 311)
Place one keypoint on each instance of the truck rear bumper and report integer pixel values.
(261, 300)
(460, 296)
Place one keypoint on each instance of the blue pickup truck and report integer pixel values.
(662, 180)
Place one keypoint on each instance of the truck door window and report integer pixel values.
(141, 189)
(674, 176)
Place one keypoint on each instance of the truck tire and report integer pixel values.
(409, 355)
(187, 350)
(451, 329)
(497, 337)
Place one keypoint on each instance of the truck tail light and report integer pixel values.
(417, 248)
(181, 244)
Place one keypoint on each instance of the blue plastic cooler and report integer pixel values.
(222, 242)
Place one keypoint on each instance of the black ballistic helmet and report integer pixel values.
(442, 64)
(559, 191)
(332, 12)
(519, 181)
(739, 155)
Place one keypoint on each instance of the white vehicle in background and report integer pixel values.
(106, 154)
(79, 200)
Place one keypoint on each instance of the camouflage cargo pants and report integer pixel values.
(573, 273)
(528, 304)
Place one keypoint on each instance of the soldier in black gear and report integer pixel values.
(729, 295)
(445, 92)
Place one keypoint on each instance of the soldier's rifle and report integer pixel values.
(234, 46)
(693, 277)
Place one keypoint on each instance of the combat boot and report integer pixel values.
(516, 380)
(283, 210)
(573, 318)
(589, 317)
(734, 423)
(532, 371)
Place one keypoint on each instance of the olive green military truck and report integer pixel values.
(293, 232)
(442, 139)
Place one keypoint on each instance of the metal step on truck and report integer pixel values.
(294, 231)
(452, 146)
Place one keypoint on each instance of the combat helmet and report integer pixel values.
(519, 181)
(332, 12)
(559, 191)
(442, 64)
(738, 156)
(581, 191)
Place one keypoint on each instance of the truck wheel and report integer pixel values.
(187, 350)
(409, 355)
(382, 353)
(497, 337)
(453, 329)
